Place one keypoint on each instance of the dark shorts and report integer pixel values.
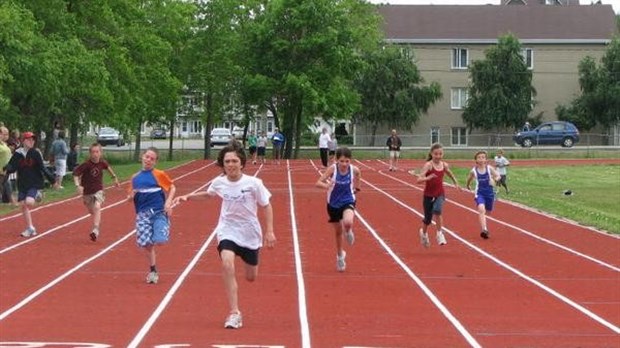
(32, 193)
(332, 152)
(249, 256)
(335, 214)
(261, 151)
(432, 206)
(487, 200)
(502, 179)
(252, 149)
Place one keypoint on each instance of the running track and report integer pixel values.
(538, 282)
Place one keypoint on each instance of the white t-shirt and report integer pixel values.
(500, 164)
(324, 140)
(238, 215)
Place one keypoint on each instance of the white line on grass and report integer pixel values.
(549, 290)
(40, 235)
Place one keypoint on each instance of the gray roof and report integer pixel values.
(484, 23)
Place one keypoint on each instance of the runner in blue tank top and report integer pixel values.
(342, 181)
(484, 195)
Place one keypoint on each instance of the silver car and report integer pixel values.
(220, 136)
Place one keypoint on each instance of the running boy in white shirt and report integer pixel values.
(238, 230)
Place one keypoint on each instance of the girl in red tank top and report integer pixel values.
(432, 174)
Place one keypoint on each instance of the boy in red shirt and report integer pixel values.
(88, 178)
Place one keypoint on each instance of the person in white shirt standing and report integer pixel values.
(501, 163)
(238, 230)
(324, 140)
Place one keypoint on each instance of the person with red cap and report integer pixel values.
(27, 161)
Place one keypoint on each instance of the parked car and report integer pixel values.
(238, 132)
(158, 134)
(220, 136)
(549, 133)
(110, 136)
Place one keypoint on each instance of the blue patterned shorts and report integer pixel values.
(152, 228)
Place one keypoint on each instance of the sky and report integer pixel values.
(614, 3)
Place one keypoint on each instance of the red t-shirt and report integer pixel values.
(92, 175)
(434, 186)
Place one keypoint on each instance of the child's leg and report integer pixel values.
(151, 255)
(482, 216)
(439, 222)
(347, 219)
(230, 281)
(95, 210)
(26, 204)
(338, 234)
(251, 272)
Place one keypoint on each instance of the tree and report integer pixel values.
(599, 102)
(501, 91)
(390, 87)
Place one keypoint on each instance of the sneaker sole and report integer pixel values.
(93, 236)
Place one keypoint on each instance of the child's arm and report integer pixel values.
(77, 180)
(357, 180)
(169, 200)
(324, 181)
(451, 176)
(186, 197)
(113, 175)
(470, 178)
(422, 177)
(46, 172)
(270, 237)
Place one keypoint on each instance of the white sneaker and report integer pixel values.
(350, 237)
(29, 232)
(341, 264)
(233, 321)
(424, 239)
(152, 278)
(441, 238)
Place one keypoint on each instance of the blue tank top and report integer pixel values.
(341, 192)
(483, 182)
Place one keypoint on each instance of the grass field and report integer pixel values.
(596, 192)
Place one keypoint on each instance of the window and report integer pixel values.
(459, 58)
(459, 136)
(459, 97)
(195, 127)
(184, 127)
(434, 135)
(528, 57)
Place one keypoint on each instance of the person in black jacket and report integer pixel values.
(27, 161)
(394, 143)
(72, 158)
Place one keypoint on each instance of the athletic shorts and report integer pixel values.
(252, 149)
(249, 256)
(335, 214)
(152, 228)
(432, 206)
(261, 151)
(98, 196)
(394, 154)
(33, 193)
(487, 200)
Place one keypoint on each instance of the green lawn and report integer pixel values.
(596, 192)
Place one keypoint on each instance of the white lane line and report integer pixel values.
(519, 229)
(41, 235)
(53, 204)
(301, 285)
(549, 290)
(442, 308)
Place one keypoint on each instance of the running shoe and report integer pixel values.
(152, 278)
(39, 197)
(29, 232)
(484, 234)
(94, 234)
(350, 237)
(441, 238)
(424, 239)
(233, 321)
(341, 264)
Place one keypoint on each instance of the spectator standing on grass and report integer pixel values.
(278, 140)
(432, 175)
(252, 140)
(324, 140)
(485, 177)
(5, 156)
(501, 163)
(238, 230)
(60, 150)
(342, 182)
(72, 157)
(261, 147)
(88, 179)
(153, 208)
(394, 143)
(27, 162)
(332, 145)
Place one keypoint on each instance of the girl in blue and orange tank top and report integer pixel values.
(342, 181)
(484, 196)
(432, 175)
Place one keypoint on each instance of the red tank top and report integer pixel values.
(434, 187)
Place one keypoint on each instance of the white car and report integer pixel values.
(220, 136)
(110, 136)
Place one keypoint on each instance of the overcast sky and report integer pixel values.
(614, 3)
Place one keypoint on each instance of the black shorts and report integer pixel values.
(252, 149)
(335, 214)
(249, 256)
(261, 151)
(332, 152)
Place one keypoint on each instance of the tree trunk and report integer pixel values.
(208, 125)
(171, 140)
(372, 135)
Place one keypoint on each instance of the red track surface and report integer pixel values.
(538, 282)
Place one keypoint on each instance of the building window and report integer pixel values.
(459, 58)
(459, 136)
(459, 97)
(435, 135)
(184, 127)
(195, 127)
(528, 57)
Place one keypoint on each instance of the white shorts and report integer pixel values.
(60, 167)
(394, 154)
